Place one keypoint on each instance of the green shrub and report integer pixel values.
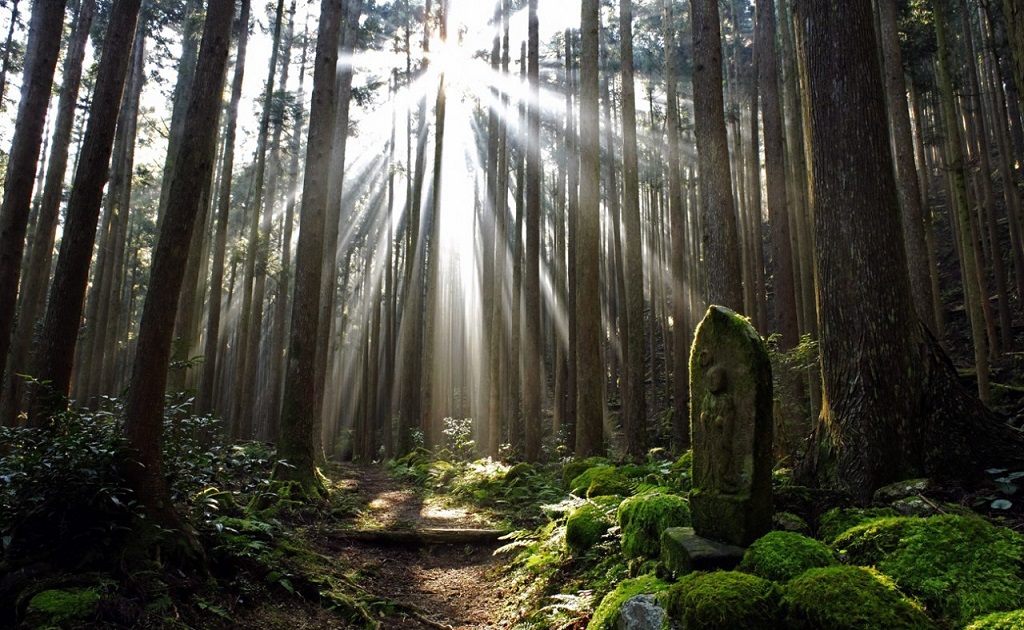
(643, 518)
(600, 481)
(723, 599)
(849, 598)
(606, 616)
(838, 520)
(1013, 620)
(781, 556)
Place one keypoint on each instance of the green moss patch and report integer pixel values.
(869, 543)
(600, 481)
(584, 528)
(959, 567)
(1013, 620)
(724, 599)
(576, 467)
(58, 607)
(607, 614)
(838, 520)
(643, 518)
(849, 598)
(781, 556)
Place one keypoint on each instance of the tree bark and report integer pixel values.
(143, 413)
(299, 423)
(589, 367)
(55, 357)
(894, 407)
(532, 343)
(40, 63)
(721, 241)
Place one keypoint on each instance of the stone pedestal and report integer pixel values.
(683, 551)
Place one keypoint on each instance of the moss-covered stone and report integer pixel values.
(606, 615)
(959, 567)
(575, 468)
(849, 598)
(902, 490)
(724, 599)
(522, 469)
(643, 518)
(584, 528)
(61, 608)
(782, 556)
(838, 520)
(1013, 620)
(682, 471)
(789, 522)
(869, 543)
(600, 481)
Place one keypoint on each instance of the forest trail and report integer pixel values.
(452, 585)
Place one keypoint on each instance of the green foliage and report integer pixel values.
(57, 607)
(606, 615)
(723, 599)
(600, 481)
(62, 489)
(838, 520)
(644, 517)
(782, 556)
(458, 437)
(849, 598)
(682, 471)
(1012, 620)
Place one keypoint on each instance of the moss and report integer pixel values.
(959, 567)
(643, 518)
(575, 468)
(599, 481)
(724, 599)
(849, 598)
(867, 544)
(838, 520)
(522, 469)
(682, 470)
(782, 556)
(59, 606)
(585, 527)
(607, 614)
(1013, 620)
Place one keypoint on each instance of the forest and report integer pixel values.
(521, 314)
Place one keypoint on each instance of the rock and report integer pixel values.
(789, 522)
(782, 556)
(731, 422)
(901, 490)
(641, 613)
(683, 551)
(643, 518)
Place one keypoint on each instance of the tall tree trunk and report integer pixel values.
(634, 399)
(774, 165)
(143, 413)
(721, 241)
(1014, 13)
(589, 366)
(299, 422)
(680, 284)
(572, 231)
(532, 343)
(895, 407)
(40, 63)
(972, 278)
(495, 298)
(55, 357)
(249, 327)
(211, 352)
(33, 292)
(5, 65)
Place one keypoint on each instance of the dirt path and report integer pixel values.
(448, 585)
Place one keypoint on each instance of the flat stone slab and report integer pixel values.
(683, 551)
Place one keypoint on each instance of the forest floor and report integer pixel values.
(453, 585)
